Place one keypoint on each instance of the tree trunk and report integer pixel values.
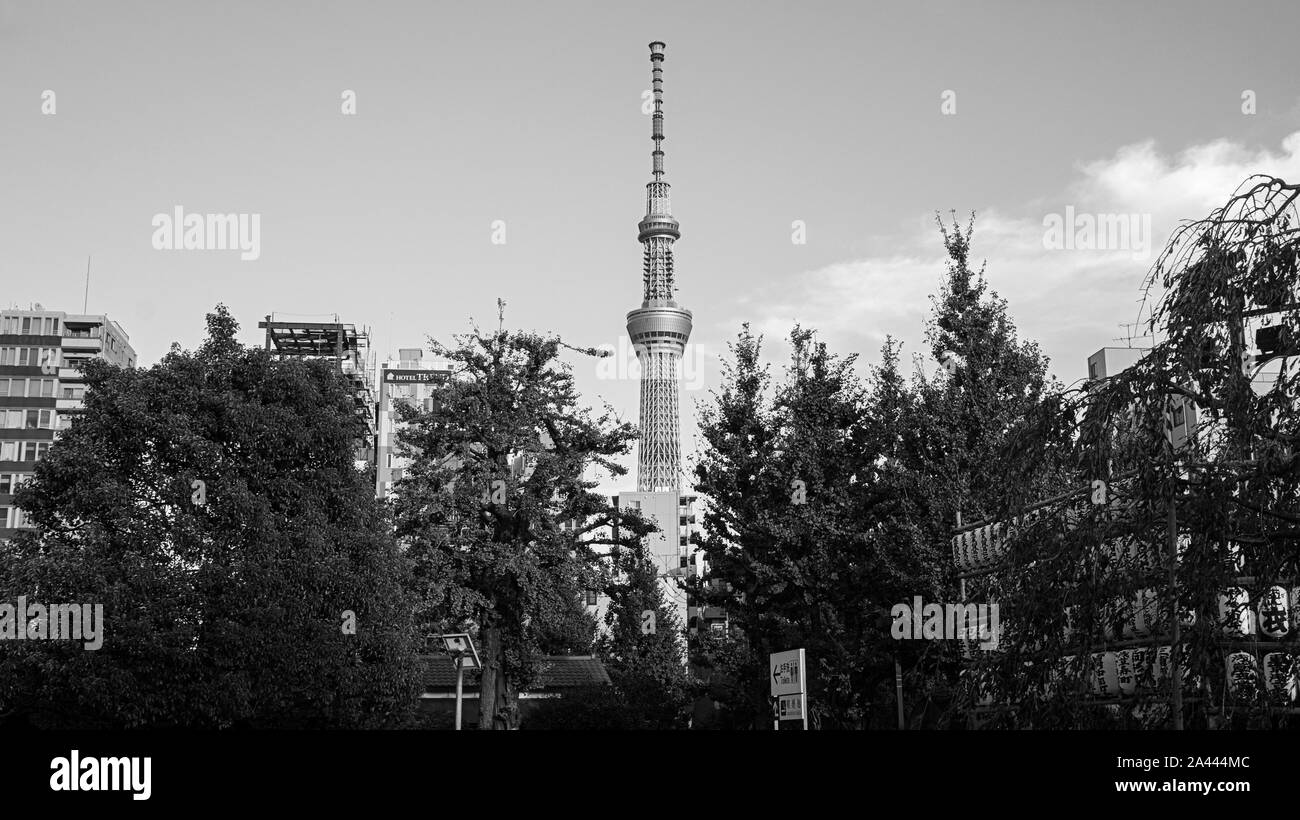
(498, 696)
(492, 658)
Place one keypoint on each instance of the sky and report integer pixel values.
(851, 123)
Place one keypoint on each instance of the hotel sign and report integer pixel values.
(414, 376)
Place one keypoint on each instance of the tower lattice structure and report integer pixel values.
(660, 328)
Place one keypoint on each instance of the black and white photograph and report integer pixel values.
(922, 375)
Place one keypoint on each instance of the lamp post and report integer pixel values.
(460, 647)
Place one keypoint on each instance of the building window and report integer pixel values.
(6, 483)
(7, 355)
(47, 388)
(8, 451)
(16, 518)
(27, 325)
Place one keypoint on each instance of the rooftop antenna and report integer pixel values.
(1130, 333)
(85, 304)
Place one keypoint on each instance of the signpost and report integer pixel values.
(464, 656)
(789, 686)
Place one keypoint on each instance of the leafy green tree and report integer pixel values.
(496, 514)
(648, 669)
(831, 501)
(793, 552)
(211, 504)
(991, 380)
(1163, 527)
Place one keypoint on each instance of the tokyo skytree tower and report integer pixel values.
(660, 328)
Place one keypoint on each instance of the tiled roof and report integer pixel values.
(556, 672)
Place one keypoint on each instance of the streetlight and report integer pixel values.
(460, 646)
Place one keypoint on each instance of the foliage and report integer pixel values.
(882, 470)
(1184, 521)
(495, 512)
(648, 670)
(225, 614)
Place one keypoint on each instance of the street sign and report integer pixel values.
(787, 673)
(790, 707)
(459, 646)
(464, 656)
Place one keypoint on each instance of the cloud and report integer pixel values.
(1072, 300)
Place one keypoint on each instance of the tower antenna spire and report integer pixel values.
(660, 328)
(657, 121)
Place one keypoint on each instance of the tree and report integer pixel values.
(1168, 536)
(792, 536)
(495, 511)
(647, 668)
(991, 381)
(211, 504)
(832, 501)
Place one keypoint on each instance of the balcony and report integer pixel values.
(68, 404)
(90, 345)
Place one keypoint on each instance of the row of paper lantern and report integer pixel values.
(1280, 677)
(1126, 672)
(984, 547)
(1275, 616)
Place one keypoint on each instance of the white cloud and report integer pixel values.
(1071, 301)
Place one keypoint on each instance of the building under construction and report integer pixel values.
(339, 342)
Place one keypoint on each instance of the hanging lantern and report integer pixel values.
(1125, 672)
(1282, 678)
(1243, 676)
(1145, 612)
(1161, 665)
(997, 538)
(1140, 661)
(1232, 557)
(1273, 613)
(1110, 613)
(1235, 613)
(1105, 678)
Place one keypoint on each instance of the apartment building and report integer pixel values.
(42, 387)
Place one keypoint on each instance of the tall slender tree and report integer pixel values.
(504, 529)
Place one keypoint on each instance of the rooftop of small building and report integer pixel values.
(556, 672)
